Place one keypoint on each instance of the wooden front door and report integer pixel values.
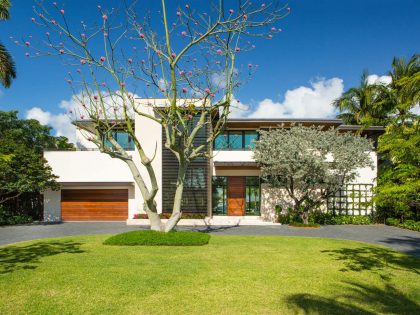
(236, 195)
(94, 204)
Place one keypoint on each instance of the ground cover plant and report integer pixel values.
(407, 224)
(230, 275)
(155, 238)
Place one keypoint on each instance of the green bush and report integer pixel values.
(300, 224)
(392, 221)
(154, 238)
(6, 218)
(328, 218)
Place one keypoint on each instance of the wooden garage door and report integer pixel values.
(94, 204)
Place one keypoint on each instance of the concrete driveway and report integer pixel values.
(399, 239)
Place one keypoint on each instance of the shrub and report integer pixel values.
(7, 218)
(286, 218)
(154, 238)
(392, 221)
(411, 225)
(300, 224)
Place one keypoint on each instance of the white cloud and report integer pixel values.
(376, 79)
(60, 122)
(303, 102)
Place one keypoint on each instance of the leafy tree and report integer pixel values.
(187, 58)
(22, 166)
(7, 65)
(309, 163)
(391, 105)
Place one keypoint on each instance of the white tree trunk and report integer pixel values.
(176, 209)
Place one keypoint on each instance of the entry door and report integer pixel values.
(236, 195)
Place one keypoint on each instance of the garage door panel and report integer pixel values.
(94, 204)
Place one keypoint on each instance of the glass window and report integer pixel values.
(249, 139)
(252, 195)
(235, 140)
(219, 195)
(221, 141)
(123, 139)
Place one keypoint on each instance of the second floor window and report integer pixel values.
(123, 139)
(236, 140)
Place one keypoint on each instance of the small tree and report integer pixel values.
(311, 164)
(187, 57)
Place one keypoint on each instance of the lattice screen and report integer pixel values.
(354, 199)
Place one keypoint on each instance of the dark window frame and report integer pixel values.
(228, 143)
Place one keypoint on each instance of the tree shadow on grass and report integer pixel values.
(14, 258)
(376, 259)
(359, 299)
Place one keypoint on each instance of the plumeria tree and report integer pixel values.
(185, 58)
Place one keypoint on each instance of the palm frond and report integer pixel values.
(4, 9)
(7, 67)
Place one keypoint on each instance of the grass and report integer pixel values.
(231, 275)
(154, 238)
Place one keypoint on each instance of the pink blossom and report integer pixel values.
(219, 51)
(130, 60)
(105, 34)
(62, 11)
(50, 45)
(33, 19)
(212, 94)
(122, 84)
(273, 29)
(141, 35)
(270, 36)
(184, 33)
(82, 61)
(237, 49)
(78, 70)
(95, 97)
(231, 11)
(47, 33)
(83, 35)
(253, 46)
(187, 6)
(173, 55)
(263, 5)
(54, 3)
(104, 17)
(142, 61)
(102, 59)
(53, 22)
(103, 84)
(178, 13)
(182, 72)
(158, 52)
(184, 90)
(82, 117)
(27, 54)
(16, 42)
(217, 62)
(249, 65)
(99, 7)
(189, 116)
(280, 30)
(207, 91)
(61, 51)
(189, 72)
(68, 81)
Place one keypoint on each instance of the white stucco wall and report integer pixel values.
(87, 167)
(52, 207)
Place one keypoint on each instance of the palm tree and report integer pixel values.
(404, 90)
(362, 105)
(7, 65)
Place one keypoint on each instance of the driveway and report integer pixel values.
(399, 239)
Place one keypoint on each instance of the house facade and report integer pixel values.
(96, 187)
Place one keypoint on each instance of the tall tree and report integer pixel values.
(22, 166)
(188, 58)
(7, 65)
(393, 106)
(362, 104)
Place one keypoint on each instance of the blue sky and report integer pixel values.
(324, 47)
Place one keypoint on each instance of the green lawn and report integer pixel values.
(231, 275)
